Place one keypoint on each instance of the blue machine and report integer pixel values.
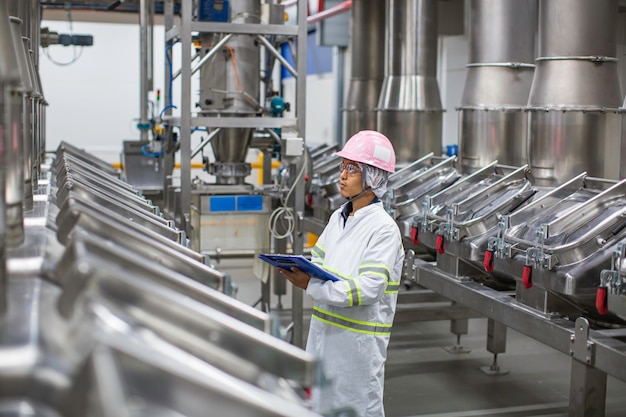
(213, 10)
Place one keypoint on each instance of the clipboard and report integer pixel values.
(300, 262)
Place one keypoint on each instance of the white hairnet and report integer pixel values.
(376, 178)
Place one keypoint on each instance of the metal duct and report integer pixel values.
(409, 106)
(9, 77)
(229, 86)
(16, 200)
(492, 123)
(574, 121)
(368, 65)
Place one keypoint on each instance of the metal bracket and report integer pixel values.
(612, 278)
(497, 244)
(581, 348)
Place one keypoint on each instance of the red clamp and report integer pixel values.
(527, 276)
(439, 245)
(414, 235)
(602, 302)
(488, 261)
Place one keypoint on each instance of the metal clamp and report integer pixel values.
(581, 348)
(612, 278)
(536, 255)
(497, 244)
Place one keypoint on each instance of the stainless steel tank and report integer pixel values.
(229, 86)
(409, 107)
(367, 45)
(574, 121)
(492, 123)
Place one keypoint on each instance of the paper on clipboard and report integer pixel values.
(300, 262)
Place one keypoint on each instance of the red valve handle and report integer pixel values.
(414, 235)
(602, 304)
(527, 276)
(439, 245)
(488, 261)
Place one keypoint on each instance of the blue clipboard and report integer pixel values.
(300, 262)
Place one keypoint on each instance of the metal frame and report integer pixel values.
(595, 354)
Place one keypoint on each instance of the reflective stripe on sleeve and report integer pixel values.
(392, 287)
(318, 251)
(375, 269)
(376, 329)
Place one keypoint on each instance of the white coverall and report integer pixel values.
(352, 318)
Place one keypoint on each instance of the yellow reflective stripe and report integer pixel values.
(392, 287)
(320, 249)
(349, 293)
(375, 268)
(377, 329)
(317, 252)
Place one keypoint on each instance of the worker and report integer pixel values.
(352, 317)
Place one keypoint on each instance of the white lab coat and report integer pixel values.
(352, 318)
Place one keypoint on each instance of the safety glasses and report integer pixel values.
(351, 168)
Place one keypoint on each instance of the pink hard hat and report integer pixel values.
(372, 148)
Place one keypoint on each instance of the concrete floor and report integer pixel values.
(424, 379)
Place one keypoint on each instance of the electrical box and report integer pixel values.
(213, 10)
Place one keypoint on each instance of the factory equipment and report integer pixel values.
(409, 108)
(492, 123)
(556, 246)
(368, 65)
(575, 96)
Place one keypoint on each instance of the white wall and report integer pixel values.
(94, 102)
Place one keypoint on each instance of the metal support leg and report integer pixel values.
(587, 393)
(459, 328)
(496, 343)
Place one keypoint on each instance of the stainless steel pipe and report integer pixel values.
(492, 124)
(574, 121)
(367, 67)
(409, 107)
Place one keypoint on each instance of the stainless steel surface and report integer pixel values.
(156, 224)
(492, 125)
(471, 206)
(409, 107)
(571, 28)
(560, 145)
(16, 187)
(367, 65)
(230, 86)
(576, 81)
(502, 31)
(67, 148)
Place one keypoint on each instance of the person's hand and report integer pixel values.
(297, 277)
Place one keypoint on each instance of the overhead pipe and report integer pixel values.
(409, 107)
(367, 44)
(146, 22)
(328, 13)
